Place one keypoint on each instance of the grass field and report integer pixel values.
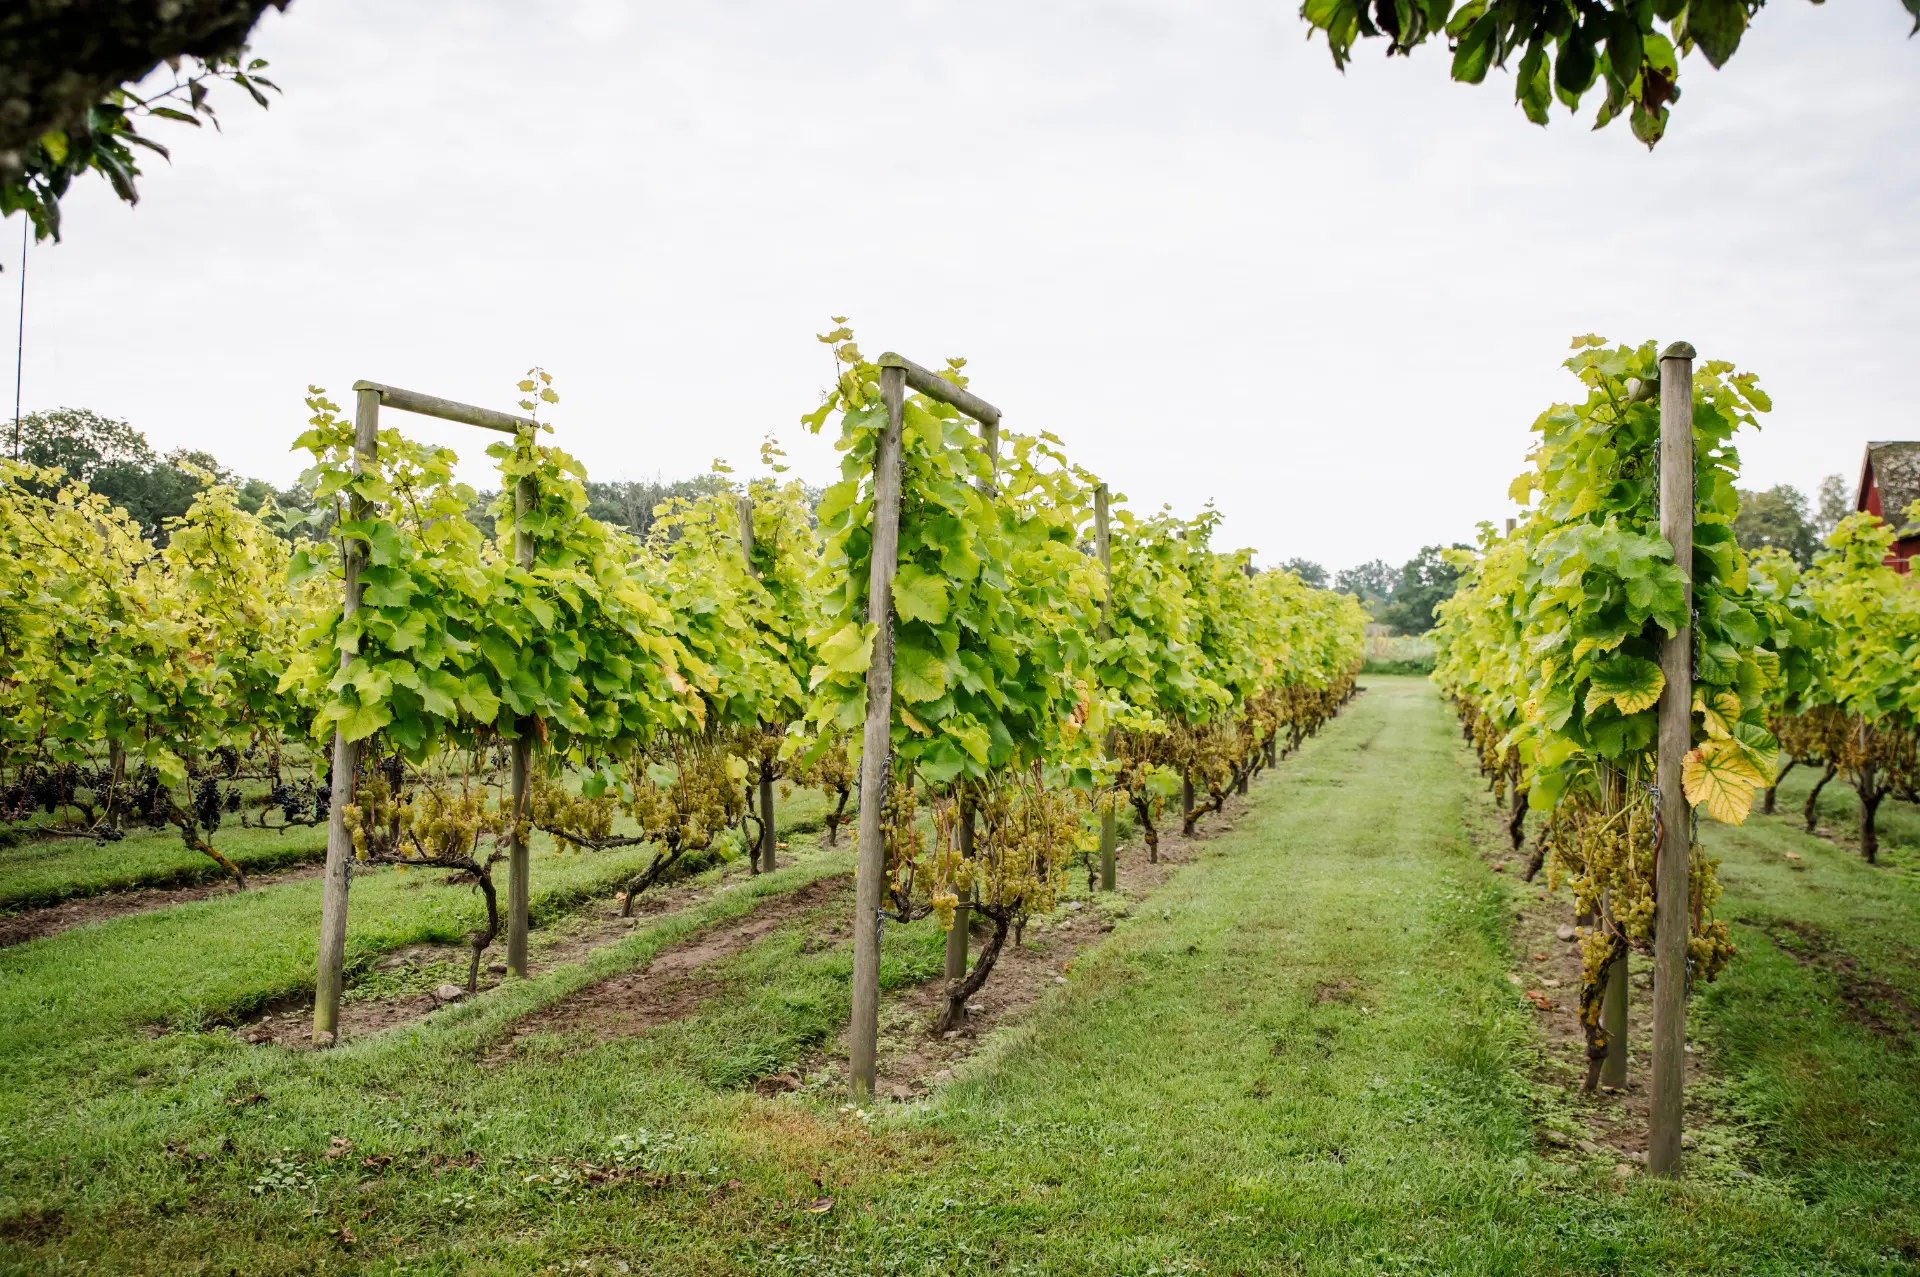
(1300, 1055)
(47, 871)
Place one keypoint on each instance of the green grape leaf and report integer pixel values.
(1632, 683)
(919, 595)
(918, 675)
(849, 650)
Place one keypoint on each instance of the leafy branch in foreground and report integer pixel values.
(103, 139)
(1630, 49)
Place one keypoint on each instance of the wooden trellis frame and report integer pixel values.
(330, 978)
(897, 374)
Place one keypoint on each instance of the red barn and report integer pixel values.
(1889, 485)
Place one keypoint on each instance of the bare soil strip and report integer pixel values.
(51, 920)
(288, 1023)
(674, 983)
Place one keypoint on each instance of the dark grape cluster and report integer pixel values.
(301, 802)
(208, 802)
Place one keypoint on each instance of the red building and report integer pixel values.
(1889, 485)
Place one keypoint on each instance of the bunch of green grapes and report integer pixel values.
(574, 820)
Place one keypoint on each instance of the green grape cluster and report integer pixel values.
(574, 820)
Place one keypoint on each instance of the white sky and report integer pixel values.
(1168, 231)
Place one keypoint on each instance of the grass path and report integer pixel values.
(1301, 1055)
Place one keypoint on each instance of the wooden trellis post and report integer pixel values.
(896, 375)
(1672, 917)
(519, 855)
(761, 858)
(1103, 547)
(330, 976)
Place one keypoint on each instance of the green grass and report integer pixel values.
(1818, 1022)
(1299, 1056)
(47, 871)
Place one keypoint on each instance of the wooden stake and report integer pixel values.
(1103, 547)
(519, 856)
(863, 1034)
(743, 504)
(1613, 1019)
(762, 857)
(1671, 914)
(330, 978)
(956, 967)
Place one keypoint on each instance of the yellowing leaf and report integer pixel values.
(849, 650)
(1720, 778)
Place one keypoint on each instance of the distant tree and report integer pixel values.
(1836, 503)
(115, 460)
(1372, 583)
(78, 441)
(1307, 570)
(630, 503)
(69, 104)
(1778, 518)
(1425, 582)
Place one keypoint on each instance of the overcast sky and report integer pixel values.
(1169, 232)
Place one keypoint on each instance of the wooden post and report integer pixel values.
(743, 505)
(519, 857)
(762, 857)
(956, 967)
(875, 763)
(960, 935)
(1613, 1020)
(1674, 855)
(1103, 546)
(330, 978)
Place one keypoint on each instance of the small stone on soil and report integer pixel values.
(1565, 933)
(449, 993)
(497, 968)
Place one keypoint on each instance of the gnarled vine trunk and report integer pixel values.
(954, 1014)
(1813, 798)
(1143, 810)
(1767, 799)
